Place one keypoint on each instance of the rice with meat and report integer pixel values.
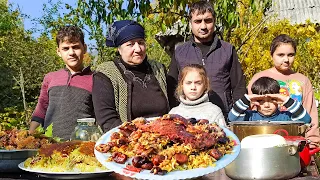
(150, 139)
(73, 156)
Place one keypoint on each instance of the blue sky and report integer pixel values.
(33, 8)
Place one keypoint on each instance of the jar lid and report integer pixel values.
(92, 120)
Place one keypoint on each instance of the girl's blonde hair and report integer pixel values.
(192, 67)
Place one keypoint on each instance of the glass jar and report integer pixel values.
(86, 130)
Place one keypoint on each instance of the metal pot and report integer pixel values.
(265, 163)
(246, 128)
(306, 152)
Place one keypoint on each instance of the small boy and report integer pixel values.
(66, 95)
(267, 99)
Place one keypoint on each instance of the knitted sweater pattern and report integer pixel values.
(200, 109)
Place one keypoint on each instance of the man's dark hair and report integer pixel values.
(202, 7)
(265, 85)
(282, 39)
(70, 34)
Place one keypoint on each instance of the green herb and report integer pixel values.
(40, 132)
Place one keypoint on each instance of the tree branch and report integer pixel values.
(247, 36)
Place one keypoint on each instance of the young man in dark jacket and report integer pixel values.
(218, 57)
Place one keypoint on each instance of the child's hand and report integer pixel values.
(255, 98)
(279, 98)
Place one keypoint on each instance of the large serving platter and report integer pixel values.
(185, 174)
(66, 175)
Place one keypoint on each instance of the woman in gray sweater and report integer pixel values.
(192, 91)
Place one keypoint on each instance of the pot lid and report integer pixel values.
(259, 123)
(263, 141)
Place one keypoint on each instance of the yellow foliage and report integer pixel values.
(87, 59)
(253, 40)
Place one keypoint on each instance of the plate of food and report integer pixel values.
(66, 175)
(168, 147)
(19, 140)
(66, 160)
(16, 145)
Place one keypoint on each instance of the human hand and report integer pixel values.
(255, 98)
(279, 98)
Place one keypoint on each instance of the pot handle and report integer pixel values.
(314, 151)
(281, 130)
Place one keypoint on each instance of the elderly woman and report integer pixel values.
(131, 86)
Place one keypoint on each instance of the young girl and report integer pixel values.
(192, 91)
(293, 84)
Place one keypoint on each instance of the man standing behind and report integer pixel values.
(218, 57)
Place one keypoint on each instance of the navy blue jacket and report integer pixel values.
(223, 68)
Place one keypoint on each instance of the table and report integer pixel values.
(310, 173)
(219, 175)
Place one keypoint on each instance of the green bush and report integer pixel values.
(15, 117)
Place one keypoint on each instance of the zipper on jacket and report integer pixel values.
(203, 62)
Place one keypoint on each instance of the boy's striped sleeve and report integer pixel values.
(239, 108)
(298, 112)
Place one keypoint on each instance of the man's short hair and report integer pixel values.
(202, 7)
(70, 34)
(265, 85)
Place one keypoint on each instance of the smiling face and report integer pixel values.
(283, 58)
(133, 52)
(72, 54)
(268, 106)
(202, 26)
(193, 85)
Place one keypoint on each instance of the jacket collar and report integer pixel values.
(214, 45)
(202, 99)
(85, 70)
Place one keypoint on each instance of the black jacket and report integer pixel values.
(223, 68)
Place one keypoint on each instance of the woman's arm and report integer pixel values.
(172, 82)
(104, 102)
(310, 106)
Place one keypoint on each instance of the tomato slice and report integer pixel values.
(132, 168)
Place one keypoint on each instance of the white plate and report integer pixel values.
(66, 175)
(185, 174)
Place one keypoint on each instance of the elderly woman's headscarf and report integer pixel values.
(122, 31)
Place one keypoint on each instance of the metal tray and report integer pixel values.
(17, 154)
(10, 159)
